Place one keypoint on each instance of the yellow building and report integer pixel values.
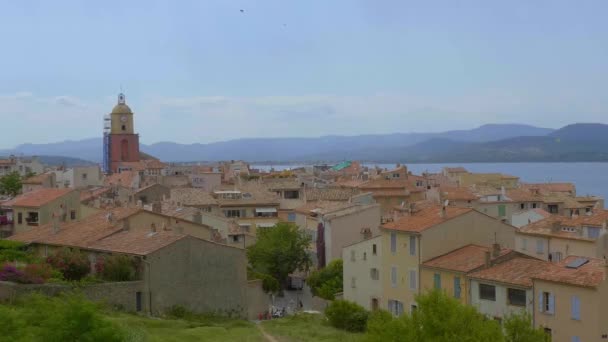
(423, 235)
(41, 206)
(448, 272)
(495, 180)
(572, 300)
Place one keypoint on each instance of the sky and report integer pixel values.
(204, 71)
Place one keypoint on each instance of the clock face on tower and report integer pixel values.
(123, 118)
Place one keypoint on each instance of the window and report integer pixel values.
(353, 282)
(32, 218)
(19, 218)
(353, 256)
(72, 214)
(374, 273)
(487, 292)
(576, 339)
(534, 206)
(593, 232)
(235, 238)
(84, 176)
(546, 302)
(393, 242)
(124, 128)
(575, 308)
(552, 208)
(540, 246)
(374, 251)
(394, 276)
(412, 245)
(291, 217)
(232, 213)
(413, 308)
(457, 288)
(555, 256)
(413, 281)
(524, 244)
(364, 255)
(395, 307)
(522, 206)
(437, 281)
(516, 297)
(291, 194)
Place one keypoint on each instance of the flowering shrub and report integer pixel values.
(71, 263)
(116, 268)
(11, 273)
(38, 273)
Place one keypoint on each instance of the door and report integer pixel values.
(138, 301)
(374, 304)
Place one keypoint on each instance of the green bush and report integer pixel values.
(347, 316)
(326, 282)
(118, 268)
(73, 264)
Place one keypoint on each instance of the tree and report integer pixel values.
(346, 315)
(326, 282)
(438, 318)
(279, 251)
(519, 328)
(10, 184)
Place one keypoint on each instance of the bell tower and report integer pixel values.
(122, 141)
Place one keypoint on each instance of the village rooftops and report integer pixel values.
(566, 227)
(137, 242)
(517, 271)
(465, 259)
(574, 270)
(389, 184)
(192, 197)
(425, 219)
(123, 178)
(551, 187)
(323, 207)
(89, 194)
(38, 198)
(37, 179)
(330, 194)
(457, 193)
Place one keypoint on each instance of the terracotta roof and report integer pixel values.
(184, 213)
(551, 187)
(591, 274)
(425, 219)
(89, 194)
(137, 242)
(124, 178)
(523, 195)
(350, 183)
(150, 186)
(192, 197)
(323, 207)
(81, 233)
(517, 271)
(37, 179)
(458, 169)
(330, 194)
(7, 162)
(389, 193)
(552, 226)
(282, 183)
(386, 184)
(38, 198)
(464, 259)
(457, 193)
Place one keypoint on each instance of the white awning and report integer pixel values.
(265, 225)
(265, 210)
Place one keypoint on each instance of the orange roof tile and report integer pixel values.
(124, 178)
(457, 193)
(425, 219)
(591, 274)
(552, 225)
(523, 195)
(137, 242)
(551, 187)
(516, 271)
(88, 194)
(464, 259)
(387, 184)
(81, 233)
(38, 198)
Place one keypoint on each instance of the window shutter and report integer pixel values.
(412, 280)
(394, 276)
(576, 339)
(540, 301)
(576, 308)
(456, 287)
(551, 303)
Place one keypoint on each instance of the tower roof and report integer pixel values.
(121, 107)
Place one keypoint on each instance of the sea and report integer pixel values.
(589, 178)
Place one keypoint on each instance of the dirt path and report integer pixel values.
(268, 337)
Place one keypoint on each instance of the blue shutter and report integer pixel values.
(541, 306)
(437, 280)
(456, 287)
(412, 245)
(551, 303)
(576, 339)
(576, 308)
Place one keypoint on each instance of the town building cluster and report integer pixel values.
(487, 239)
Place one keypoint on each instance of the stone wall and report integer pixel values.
(119, 294)
(258, 301)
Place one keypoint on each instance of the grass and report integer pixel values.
(307, 327)
(174, 330)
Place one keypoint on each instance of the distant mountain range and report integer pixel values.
(488, 143)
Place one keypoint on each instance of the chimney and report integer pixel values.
(488, 258)
(495, 250)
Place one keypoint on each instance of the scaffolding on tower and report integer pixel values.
(107, 124)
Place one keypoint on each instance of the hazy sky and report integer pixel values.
(201, 71)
